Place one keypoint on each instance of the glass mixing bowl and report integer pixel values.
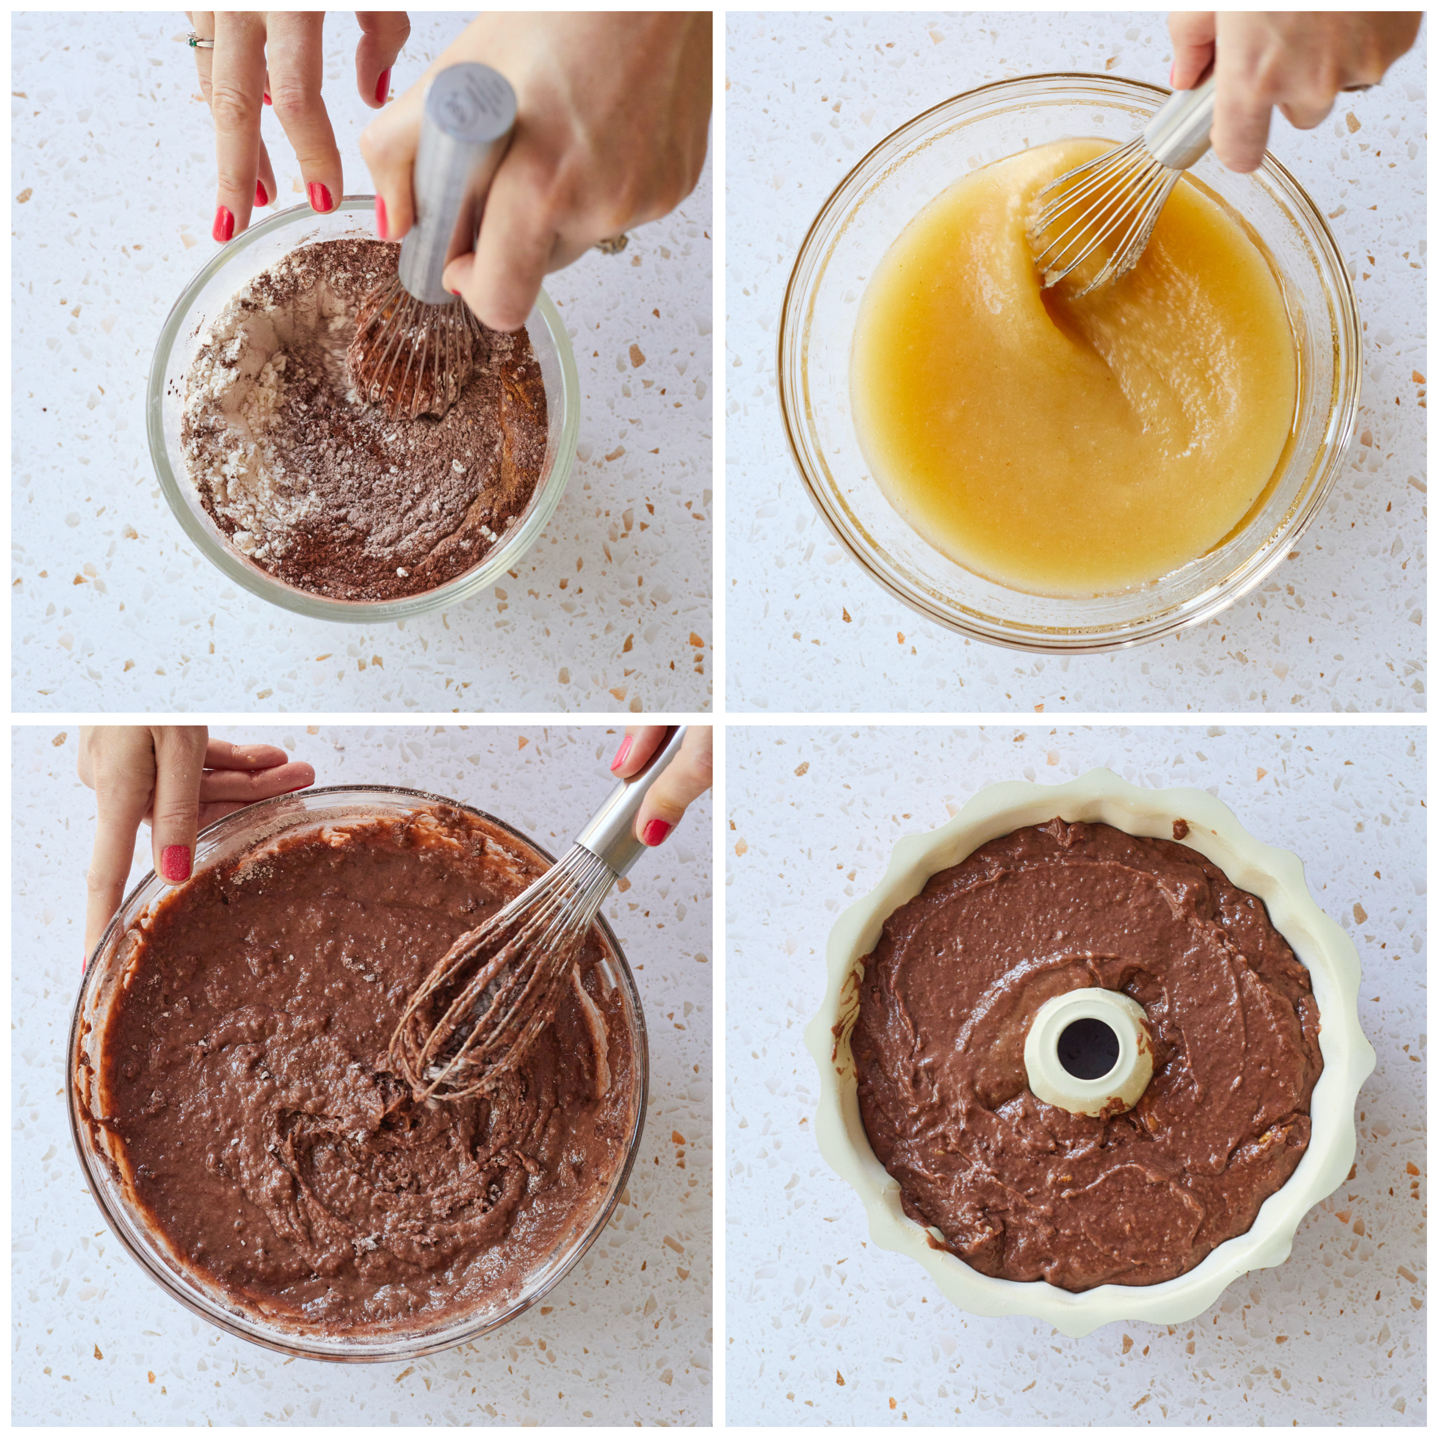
(101, 1155)
(855, 228)
(232, 267)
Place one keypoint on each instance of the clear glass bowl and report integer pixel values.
(232, 267)
(856, 226)
(98, 1149)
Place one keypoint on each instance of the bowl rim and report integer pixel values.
(346, 1349)
(1277, 876)
(514, 545)
(1250, 572)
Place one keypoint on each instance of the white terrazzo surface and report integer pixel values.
(1338, 629)
(113, 159)
(1335, 1335)
(624, 1338)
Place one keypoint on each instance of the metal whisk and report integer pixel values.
(409, 357)
(1114, 200)
(500, 984)
(414, 345)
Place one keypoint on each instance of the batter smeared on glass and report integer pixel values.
(1018, 1188)
(245, 1074)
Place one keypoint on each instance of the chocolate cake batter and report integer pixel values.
(315, 485)
(244, 1071)
(1018, 1188)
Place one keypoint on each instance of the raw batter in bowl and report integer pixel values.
(315, 485)
(1021, 1189)
(1063, 446)
(243, 1074)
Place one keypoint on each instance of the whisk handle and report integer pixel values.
(610, 835)
(468, 117)
(1179, 131)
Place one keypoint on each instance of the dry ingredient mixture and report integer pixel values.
(315, 485)
(244, 1074)
(1023, 1190)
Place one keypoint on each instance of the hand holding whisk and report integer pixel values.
(1097, 219)
(498, 986)
(415, 342)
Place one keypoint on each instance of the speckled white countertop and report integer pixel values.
(822, 1327)
(624, 1338)
(1338, 629)
(112, 164)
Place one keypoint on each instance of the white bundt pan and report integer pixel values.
(1276, 876)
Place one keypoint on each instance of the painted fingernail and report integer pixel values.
(382, 221)
(175, 862)
(382, 89)
(224, 226)
(655, 832)
(268, 100)
(624, 749)
(319, 197)
(261, 198)
(454, 292)
(1172, 77)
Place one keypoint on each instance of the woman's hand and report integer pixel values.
(1294, 59)
(613, 112)
(683, 780)
(276, 57)
(178, 781)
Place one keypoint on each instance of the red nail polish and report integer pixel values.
(268, 100)
(319, 197)
(382, 221)
(175, 862)
(455, 292)
(655, 832)
(382, 90)
(224, 226)
(261, 198)
(624, 749)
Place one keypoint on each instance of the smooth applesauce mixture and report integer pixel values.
(1062, 445)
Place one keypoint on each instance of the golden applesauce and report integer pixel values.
(1070, 446)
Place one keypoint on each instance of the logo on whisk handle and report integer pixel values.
(471, 103)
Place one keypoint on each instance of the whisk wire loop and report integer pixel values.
(411, 358)
(1109, 206)
(505, 977)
